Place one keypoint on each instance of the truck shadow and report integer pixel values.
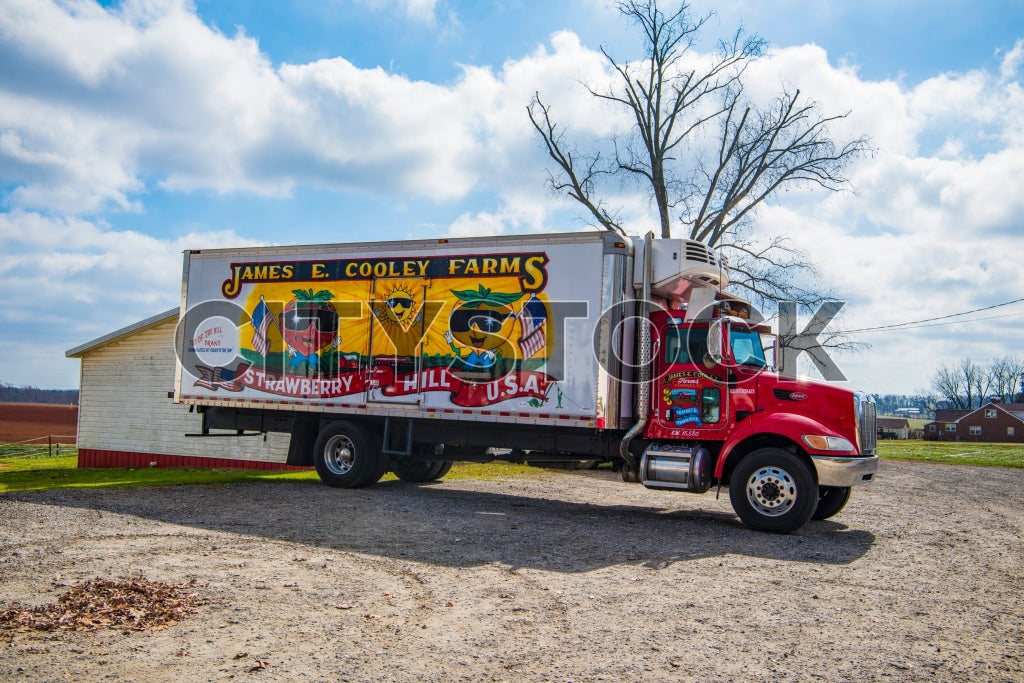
(459, 528)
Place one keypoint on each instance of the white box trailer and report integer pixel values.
(495, 330)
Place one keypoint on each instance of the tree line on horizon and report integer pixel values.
(12, 394)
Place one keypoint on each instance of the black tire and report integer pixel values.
(831, 499)
(347, 456)
(421, 471)
(773, 490)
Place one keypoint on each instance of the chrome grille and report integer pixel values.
(868, 428)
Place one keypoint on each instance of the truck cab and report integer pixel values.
(790, 449)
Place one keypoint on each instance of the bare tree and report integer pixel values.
(670, 103)
(963, 385)
(978, 381)
(951, 386)
(1005, 376)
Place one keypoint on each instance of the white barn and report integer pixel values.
(127, 419)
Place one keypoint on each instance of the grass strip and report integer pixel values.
(19, 473)
(959, 452)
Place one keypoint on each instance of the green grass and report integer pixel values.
(33, 472)
(959, 452)
(28, 469)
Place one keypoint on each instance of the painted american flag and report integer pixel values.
(532, 321)
(261, 318)
(221, 378)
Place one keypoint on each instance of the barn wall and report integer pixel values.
(124, 414)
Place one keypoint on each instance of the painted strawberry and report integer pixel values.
(309, 322)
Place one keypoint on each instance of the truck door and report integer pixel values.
(690, 397)
(400, 316)
(395, 340)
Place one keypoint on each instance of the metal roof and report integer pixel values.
(118, 335)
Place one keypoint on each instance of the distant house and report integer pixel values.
(945, 421)
(994, 422)
(893, 427)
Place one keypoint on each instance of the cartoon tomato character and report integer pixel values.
(309, 323)
(482, 322)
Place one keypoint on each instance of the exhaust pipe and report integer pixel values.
(643, 396)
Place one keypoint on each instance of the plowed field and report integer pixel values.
(24, 421)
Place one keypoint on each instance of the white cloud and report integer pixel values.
(97, 106)
(65, 281)
(933, 227)
(97, 99)
(1010, 65)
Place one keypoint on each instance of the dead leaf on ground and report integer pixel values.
(134, 604)
(260, 665)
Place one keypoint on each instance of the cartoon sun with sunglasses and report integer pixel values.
(399, 306)
(481, 322)
(400, 313)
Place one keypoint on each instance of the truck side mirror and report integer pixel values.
(715, 341)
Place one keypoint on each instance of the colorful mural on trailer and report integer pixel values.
(472, 326)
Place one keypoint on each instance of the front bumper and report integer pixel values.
(839, 471)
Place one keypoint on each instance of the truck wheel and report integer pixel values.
(831, 499)
(344, 457)
(421, 471)
(773, 490)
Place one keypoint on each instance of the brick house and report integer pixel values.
(944, 419)
(993, 422)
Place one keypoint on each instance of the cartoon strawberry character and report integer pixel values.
(309, 323)
(482, 323)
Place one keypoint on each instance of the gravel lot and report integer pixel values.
(561, 576)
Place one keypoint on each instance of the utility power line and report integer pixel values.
(948, 322)
(919, 323)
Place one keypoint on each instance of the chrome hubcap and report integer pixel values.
(771, 491)
(338, 454)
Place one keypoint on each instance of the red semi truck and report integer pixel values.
(406, 356)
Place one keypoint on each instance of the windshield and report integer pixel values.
(746, 348)
(688, 345)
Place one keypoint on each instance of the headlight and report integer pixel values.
(827, 443)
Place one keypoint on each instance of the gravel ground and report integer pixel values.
(561, 576)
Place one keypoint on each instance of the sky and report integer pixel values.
(131, 131)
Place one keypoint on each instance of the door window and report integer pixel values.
(686, 345)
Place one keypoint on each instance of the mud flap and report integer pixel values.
(300, 447)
